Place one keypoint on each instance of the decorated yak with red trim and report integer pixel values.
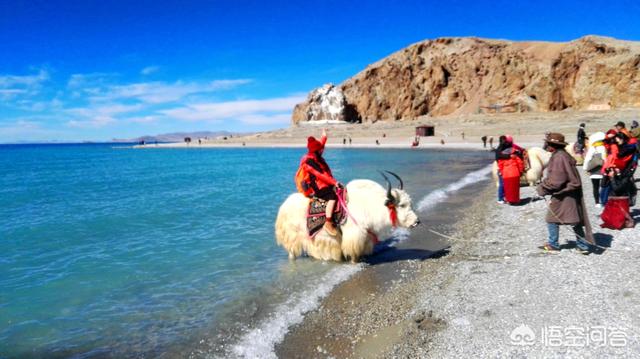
(370, 210)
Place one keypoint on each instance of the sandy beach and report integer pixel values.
(487, 294)
(527, 128)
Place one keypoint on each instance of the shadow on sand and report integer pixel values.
(393, 254)
(603, 241)
(526, 201)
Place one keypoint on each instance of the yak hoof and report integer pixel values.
(292, 257)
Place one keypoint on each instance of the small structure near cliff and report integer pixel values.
(326, 104)
(426, 130)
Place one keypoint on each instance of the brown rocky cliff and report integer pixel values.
(463, 75)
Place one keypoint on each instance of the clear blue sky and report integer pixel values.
(94, 70)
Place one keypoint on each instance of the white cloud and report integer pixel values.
(8, 81)
(149, 70)
(22, 85)
(143, 119)
(158, 92)
(94, 122)
(258, 119)
(103, 100)
(234, 109)
(108, 109)
(12, 92)
(90, 83)
(99, 116)
(26, 130)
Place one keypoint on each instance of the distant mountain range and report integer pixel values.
(178, 136)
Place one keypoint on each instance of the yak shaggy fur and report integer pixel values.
(366, 203)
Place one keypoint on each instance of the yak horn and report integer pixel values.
(397, 177)
(386, 179)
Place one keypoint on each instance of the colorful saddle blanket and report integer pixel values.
(316, 213)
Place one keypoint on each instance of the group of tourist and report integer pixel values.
(610, 159)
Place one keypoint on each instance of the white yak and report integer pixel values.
(571, 149)
(538, 161)
(368, 203)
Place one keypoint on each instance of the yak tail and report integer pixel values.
(288, 234)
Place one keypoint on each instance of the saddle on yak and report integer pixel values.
(316, 213)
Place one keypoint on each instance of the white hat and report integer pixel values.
(595, 137)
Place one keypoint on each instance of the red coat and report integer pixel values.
(511, 170)
(513, 167)
(315, 165)
(614, 160)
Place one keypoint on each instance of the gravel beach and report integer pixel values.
(495, 294)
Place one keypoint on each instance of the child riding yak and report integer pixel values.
(314, 178)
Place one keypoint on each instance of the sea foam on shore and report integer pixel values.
(437, 196)
(259, 342)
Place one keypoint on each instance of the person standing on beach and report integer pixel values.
(581, 137)
(484, 141)
(510, 168)
(593, 161)
(503, 152)
(566, 205)
(635, 130)
(491, 142)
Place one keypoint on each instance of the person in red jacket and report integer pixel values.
(511, 169)
(321, 181)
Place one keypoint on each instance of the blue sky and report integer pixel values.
(95, 70)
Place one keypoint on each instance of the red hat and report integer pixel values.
(314, 145)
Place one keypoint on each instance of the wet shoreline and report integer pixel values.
(363, 316)
(493, 283)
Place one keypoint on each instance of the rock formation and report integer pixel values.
(326, 103)
(450, 76)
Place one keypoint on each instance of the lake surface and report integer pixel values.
(109, 251)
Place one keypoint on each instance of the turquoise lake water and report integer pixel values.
(109, 251)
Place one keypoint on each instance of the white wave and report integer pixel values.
(260, 342)
(432, 199)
